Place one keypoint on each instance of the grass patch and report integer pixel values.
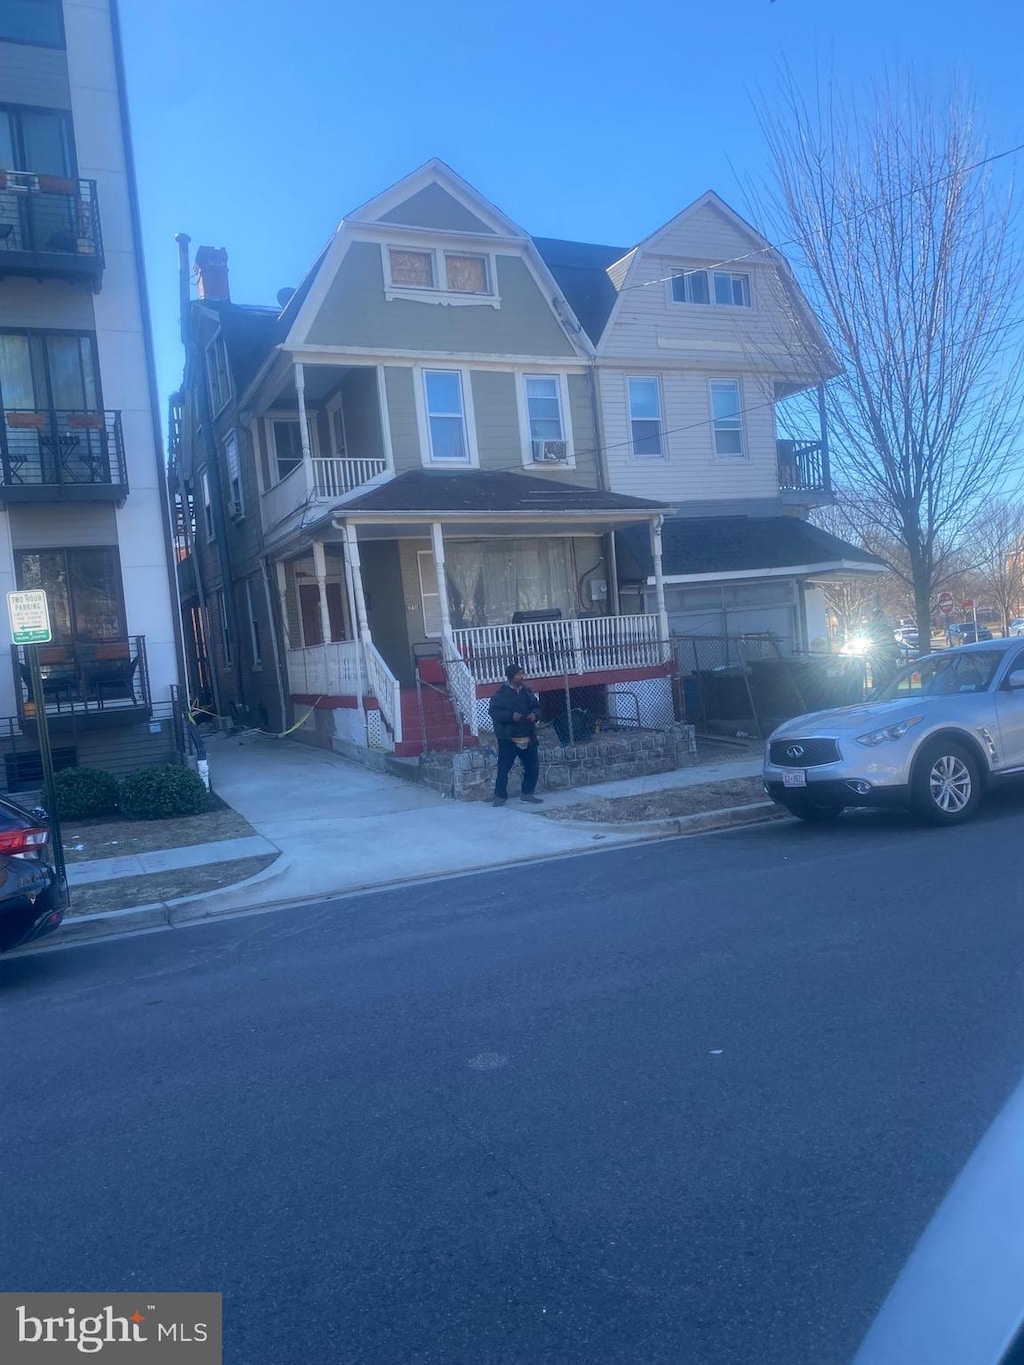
(88, 839)
(163, 886)
(664, 804)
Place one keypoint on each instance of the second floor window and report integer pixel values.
(727, 417)
(48, 370)
(35, 140)
(207, 505)
(544, 409)
(446, 417)
(286, 439)
(645, 417)
(728, 289)
(32, 21)
(234, 474)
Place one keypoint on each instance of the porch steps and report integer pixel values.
(438, 729)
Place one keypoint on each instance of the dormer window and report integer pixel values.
(726, 288)
(440, 275)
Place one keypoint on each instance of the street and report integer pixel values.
(689, 1101)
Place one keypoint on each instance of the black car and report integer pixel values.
(32, 897)
(965, 633)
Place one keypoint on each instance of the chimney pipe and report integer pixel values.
(211, 271)
(184, 282)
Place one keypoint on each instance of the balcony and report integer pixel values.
(333, 478)
(86, 685)
(62, 456)
(563, 648)
(50, 227)
(803, 470)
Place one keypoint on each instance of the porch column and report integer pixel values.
(437, 540)
(282, 597)
(307, 454)
(659, 584)
(352, 554)
(320, 570)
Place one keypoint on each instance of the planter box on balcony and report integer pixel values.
(35, 421)
(87, 421)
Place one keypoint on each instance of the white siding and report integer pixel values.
(690, 470)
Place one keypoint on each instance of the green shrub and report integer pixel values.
(84, 792)
(162, 791)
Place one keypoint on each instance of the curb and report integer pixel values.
(209, 904)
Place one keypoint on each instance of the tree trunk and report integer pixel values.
(923, 612)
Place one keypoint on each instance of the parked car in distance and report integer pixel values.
(1017, 626)
(908, 640)
(963, 633)
(947, 727)
(32, 897)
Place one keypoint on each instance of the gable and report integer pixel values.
(434, 207)
(706, 233)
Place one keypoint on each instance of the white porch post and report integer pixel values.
(659, 584)
(352, 552)
(307, 453)
(282, 597)
(437, 540)
(320, 570)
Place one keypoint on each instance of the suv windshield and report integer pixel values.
(945, 675)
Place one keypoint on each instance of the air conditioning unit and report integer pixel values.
(550, 452)
(236, 511)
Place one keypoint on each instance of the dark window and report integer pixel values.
(225, 634)
(287, 434)
(36, 141)
(32, 21)
(217, 374)
(83, 586)
(42, 370)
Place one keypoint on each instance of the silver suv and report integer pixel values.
(944, 729)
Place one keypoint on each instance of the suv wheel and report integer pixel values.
(947, 783)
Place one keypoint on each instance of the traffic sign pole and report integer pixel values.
(46, 761)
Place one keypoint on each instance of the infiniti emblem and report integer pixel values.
(795, 751)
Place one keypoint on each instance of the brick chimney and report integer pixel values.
(211, 272)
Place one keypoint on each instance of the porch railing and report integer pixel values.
(461, 683)
(79, 453)
(549, 648)
(802, 467)
(386, 688)
(334, 669)
(85, 678)
(342, 474)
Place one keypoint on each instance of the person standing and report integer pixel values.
(515, 711)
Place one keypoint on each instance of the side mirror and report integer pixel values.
(1015, 680)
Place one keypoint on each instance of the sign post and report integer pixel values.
(972, 606)
(29, 614)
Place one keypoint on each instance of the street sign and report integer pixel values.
(30, 617)
(946, 603)
(968, 604)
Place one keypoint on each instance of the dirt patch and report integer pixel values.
(163, 886)
(665, 804)
(88, 839)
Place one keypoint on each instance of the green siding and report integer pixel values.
(356, 313)
(584, 437)
(434, 207)
(405, 438)
(497, 419)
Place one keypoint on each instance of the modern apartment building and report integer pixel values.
(83, 504)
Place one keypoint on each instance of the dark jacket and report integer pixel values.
(506, 703)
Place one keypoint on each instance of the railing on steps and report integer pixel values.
(386, 688)
(461, 684)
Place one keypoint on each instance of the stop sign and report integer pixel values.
(968, 604)
(946, 603)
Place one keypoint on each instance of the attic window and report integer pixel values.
(414, 269)
(467, 274)
(440, 275)
(726, 288)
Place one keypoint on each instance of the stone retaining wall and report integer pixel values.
(469, 775)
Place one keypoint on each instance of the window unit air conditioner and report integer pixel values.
(550, 452)
(235, 511)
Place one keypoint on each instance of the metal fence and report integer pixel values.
(743, 685)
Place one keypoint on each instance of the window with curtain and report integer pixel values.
(83, 587)
(489, 580)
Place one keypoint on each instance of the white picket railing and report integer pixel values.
(331, 670)
(341, 474)
(551, 648)
(386, 688)
(461, 684)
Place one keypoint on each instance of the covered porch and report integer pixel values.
(438, 599)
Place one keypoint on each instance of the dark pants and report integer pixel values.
(507, 755)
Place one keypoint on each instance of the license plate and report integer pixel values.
(795, 779)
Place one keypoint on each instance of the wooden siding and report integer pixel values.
(434, 207)
(497, 419)
(401, 406)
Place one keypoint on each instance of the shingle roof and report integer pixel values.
(479, 490)
(580, 270)
(710, 545)
(250, 332)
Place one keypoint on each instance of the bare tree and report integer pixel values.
(997, 553)
(908, 256)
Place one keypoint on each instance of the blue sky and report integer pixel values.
(257, 125)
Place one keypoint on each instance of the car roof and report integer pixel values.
(978, 647)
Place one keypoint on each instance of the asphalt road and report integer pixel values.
(688, 1102)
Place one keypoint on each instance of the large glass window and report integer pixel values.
(645, 417)
(446, 418)
(726, 288)
(490, 580)
(83, 586)
(32, 21)
(40, 370)
(35, 140)
(727, 417)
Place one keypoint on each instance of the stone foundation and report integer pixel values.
(469, 775)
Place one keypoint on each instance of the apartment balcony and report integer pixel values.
(333, 478)
(804, 472)
(570, 648)
(62, 456)
(50, 227)
(86, 685)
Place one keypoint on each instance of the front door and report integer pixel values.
(1010, 712)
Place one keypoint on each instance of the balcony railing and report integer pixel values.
(343, 474)
(48, 455)
(803, 467)
(49, 225)
(105, 682)
(571, 647)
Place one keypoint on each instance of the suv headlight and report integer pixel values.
(896, 731)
